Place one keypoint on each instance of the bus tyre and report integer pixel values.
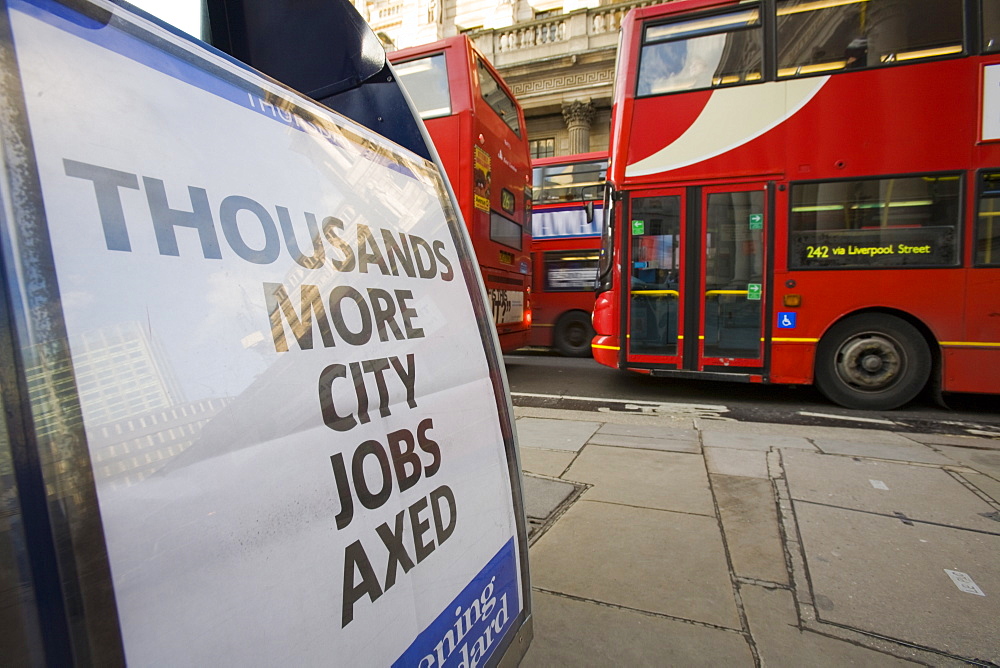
(872, 361)
(573, 334)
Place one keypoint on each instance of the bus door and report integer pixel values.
(696, 263)
(731, 286)
(655, 252)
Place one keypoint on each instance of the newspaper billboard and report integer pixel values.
(294, 416)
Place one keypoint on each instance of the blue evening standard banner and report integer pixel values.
(467, 632)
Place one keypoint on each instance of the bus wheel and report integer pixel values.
(872, 361)
(573, 334)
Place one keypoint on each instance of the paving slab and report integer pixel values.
(812, 431)
(608, 417)
(542, 496)
(917, 492)
(582, 633)
(546, 462)
(748, 463)
(958, 441)
(664, 480)
(648, 437)
(885, 577)
(985, 484)
(986, 462)
(907, 452)
(651, 560)
(761, 442)
(773, 621)
(750, 522)
(568, 435)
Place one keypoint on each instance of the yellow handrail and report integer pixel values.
(657, 293)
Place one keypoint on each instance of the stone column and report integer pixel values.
(578, 115)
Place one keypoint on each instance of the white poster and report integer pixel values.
(288, 406)
(991, 102)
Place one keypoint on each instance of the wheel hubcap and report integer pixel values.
(869, 362)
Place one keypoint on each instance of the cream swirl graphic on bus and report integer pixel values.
(718, 130)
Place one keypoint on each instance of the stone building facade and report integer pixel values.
(558, 56)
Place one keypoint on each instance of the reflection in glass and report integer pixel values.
(655, 288)
(572, 182)
(906, 221)
(991, 26)
(570, 271)
(702, 53)
(426, 82)
(498, 99)
(734, 264)
(20, 640)
(988, 224)
(815, 37)
(505, 231)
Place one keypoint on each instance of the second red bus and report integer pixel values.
(478, 130)
(566, 241)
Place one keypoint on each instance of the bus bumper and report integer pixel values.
(605, 349)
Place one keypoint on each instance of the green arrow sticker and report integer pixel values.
(638, 227)
(753, 291)
(756, 221)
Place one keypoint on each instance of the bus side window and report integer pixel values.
(854, 35)
(680, 56)
(426, 81)
(496, 97)
(878, 222)
(991, 26)
(988, 221)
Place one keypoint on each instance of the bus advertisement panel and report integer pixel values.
(479, 133)
(253, 404)
(823, 216)
(566, 221)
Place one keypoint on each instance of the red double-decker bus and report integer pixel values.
(807, 192)
(565, 244)
(478, 130)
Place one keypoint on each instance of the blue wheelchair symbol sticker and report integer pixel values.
(786, 319)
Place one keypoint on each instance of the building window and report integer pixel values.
(542, 148)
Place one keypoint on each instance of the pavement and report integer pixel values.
(679, 539)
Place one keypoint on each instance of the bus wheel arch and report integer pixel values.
(874, 360)
(573, 334)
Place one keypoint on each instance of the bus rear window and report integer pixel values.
(505, 231)
(497, 98)
(572, 182)
(717, 50)
(815, 37)
(988, 224)
(426, 82)
(571, 271)
(908, 221)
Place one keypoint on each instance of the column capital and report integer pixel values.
(578, 112)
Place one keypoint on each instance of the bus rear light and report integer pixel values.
(792, 301)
